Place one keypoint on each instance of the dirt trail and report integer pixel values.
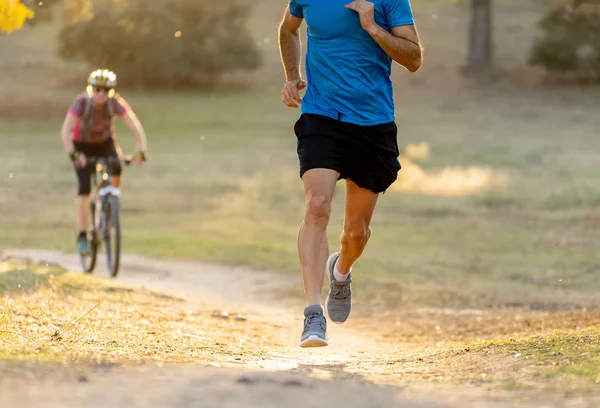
(212, 283)
(360, 368)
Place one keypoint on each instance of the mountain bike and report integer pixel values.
(105, 219)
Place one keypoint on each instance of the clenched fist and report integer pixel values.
(290, 95)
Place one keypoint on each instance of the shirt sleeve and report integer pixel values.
(76, 108)
(399, 12)
(296, 9)
(121, 107)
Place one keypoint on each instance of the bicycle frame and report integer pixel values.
(101, 178)
(105, 211)
(101, 165)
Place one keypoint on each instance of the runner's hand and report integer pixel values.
(290, 95)
(366, 11)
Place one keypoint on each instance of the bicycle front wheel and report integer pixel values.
(112, 234)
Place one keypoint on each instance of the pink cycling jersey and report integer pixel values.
(100, 123)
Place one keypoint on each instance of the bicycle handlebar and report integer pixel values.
(109, 161)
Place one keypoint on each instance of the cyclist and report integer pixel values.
(88, 130)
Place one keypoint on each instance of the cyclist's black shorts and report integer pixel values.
(104, 149)
(367, 155)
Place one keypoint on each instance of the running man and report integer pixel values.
(346, 130)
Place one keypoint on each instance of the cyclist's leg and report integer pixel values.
(82, 203)
(84, 187)
(112, 149)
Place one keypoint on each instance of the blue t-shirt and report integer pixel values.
(348, 73)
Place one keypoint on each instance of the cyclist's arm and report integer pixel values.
(135, 127)
(67, 131)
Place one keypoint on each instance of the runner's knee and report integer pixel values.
(357, 232)
(318, 210)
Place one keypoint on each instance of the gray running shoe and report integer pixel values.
(315, 328)
(339, 300)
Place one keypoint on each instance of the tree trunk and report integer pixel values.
(479, 58)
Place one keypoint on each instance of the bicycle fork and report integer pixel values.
(103, 197)
(108, 197)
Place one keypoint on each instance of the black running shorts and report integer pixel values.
(367, 155)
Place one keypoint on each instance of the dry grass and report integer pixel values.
(48, 314)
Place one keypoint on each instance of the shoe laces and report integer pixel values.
(314, 321)
(340, 290)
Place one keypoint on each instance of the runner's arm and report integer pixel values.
(290, 45)
(132, 122)
(403, 44)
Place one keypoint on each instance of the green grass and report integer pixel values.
(574, 356)
(222, 186)
(564, 360)
(503, 212)
(49, 315)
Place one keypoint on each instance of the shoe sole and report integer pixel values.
(314, 341)
(327, 300)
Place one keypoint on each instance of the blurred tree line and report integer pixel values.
(569, 40)
(155, 43)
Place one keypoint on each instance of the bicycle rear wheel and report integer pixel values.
(112, 234)
(88, 262)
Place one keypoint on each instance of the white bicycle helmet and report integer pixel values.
(102, 78)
